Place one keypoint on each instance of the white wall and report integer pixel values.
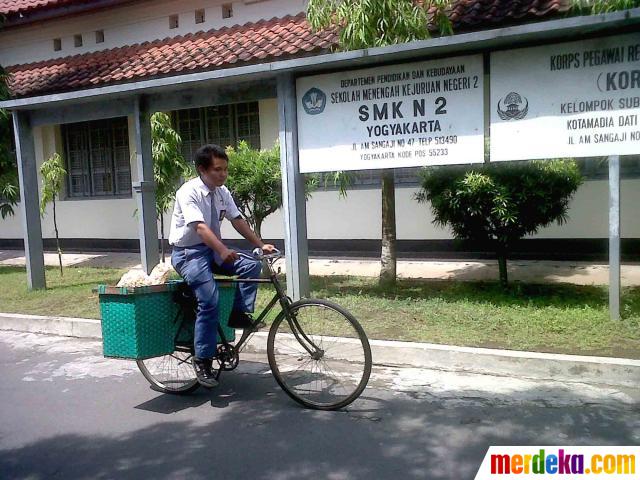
(129, 25)
(329, 217)
(589, 212)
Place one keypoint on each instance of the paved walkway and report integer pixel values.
(530, 271)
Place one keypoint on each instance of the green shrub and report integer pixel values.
(500, 203)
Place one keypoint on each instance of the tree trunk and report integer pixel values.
(162, 236)
(257, 227)
(55, 226)
(388, 254)
(502, 265)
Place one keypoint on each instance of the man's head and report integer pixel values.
(212, 165)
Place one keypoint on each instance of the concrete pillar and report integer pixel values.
(293, 197)
(145, 188)
(29, 200)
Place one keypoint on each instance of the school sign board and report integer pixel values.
(578, 99)
(415, 114)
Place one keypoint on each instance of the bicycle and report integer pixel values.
(318, 352)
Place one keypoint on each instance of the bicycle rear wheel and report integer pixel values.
(171, 373)
(320, 355)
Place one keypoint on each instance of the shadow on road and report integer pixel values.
(249, 429)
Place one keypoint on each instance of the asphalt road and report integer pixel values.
(69, 413)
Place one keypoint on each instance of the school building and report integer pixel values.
(82, 70)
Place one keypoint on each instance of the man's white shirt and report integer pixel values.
(193, 204)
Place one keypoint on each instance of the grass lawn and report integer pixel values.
(547, 318)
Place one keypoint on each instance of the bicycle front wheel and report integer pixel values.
(319, 354)
(171, 373)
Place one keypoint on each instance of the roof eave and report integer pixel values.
(509, 37)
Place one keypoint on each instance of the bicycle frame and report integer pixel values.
(285, 303)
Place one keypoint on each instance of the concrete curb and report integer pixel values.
(65, 326)
(617, 372)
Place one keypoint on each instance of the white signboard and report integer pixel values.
(425, 113)
(578, 99)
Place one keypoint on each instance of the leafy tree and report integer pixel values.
(500, 203)
(376, 23)
(169, 166)
(53, 176)
(9, 191)
(256, 182)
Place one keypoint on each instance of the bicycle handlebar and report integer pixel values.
(258, 254)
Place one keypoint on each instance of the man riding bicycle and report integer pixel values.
(198, 253)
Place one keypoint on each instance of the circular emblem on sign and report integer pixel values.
(514, 109)
(314, 101)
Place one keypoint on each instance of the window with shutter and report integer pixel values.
(100, 156)
(98, 160)
(187, 124)
(248, 121)
(597, 168)
(77, 160)
(223, 125)
(121, 159)
(219, 125)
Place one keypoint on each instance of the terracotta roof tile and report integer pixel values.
(23, 11)
(255, 42)
(8, 7)
(474, 14)
(250, 43)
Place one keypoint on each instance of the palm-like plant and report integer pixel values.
(169, 166)
(53, 175)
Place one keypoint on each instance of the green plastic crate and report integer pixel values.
(140, 322)
(226, 296)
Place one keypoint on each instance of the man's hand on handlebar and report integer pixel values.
(267, 248)
(268, 251)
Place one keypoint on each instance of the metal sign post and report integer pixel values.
(614, 237)
(591, 111)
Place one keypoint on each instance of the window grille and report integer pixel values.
(597, 168)
(98, 160)
(187, 124)
(219, 125)
(223, 125)
(409, 176)
(248, 123)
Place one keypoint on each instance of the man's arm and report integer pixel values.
(212, 241)
(243, 228)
